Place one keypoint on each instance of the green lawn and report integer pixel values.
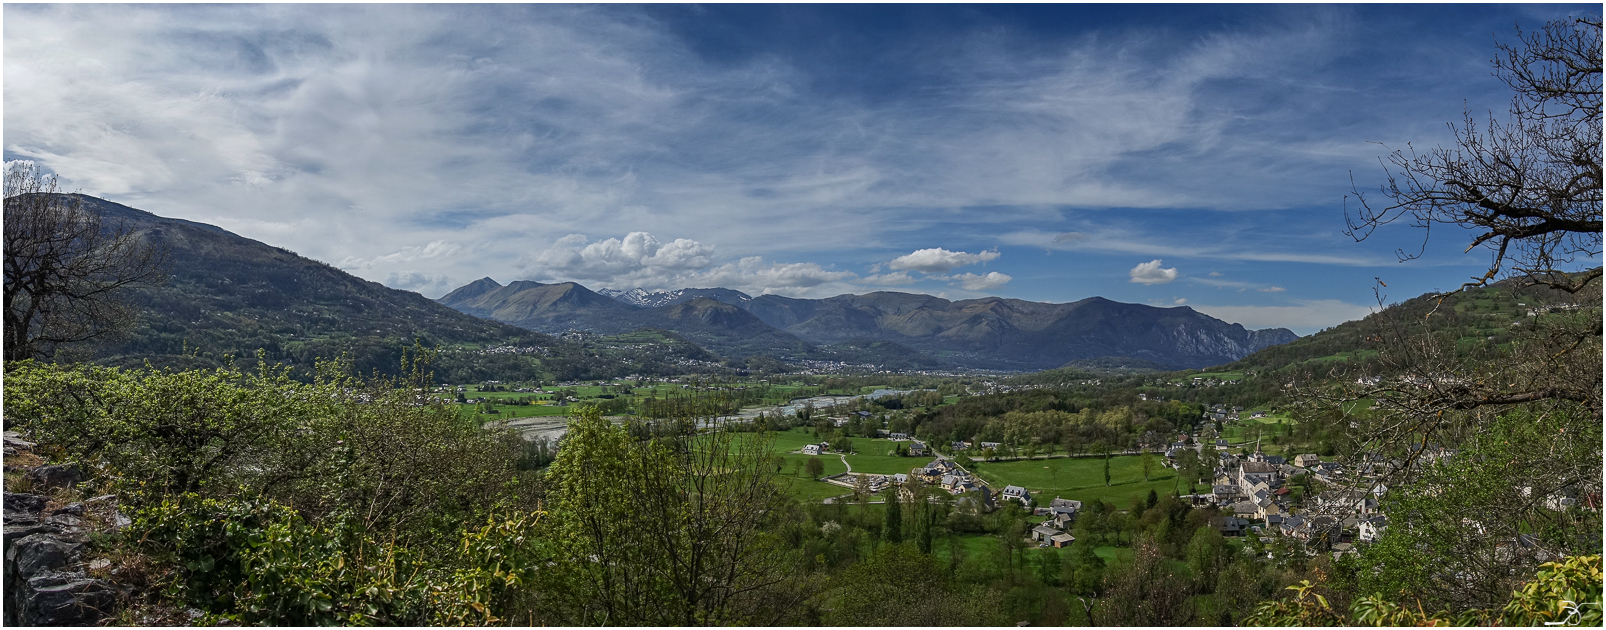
(969, 545)
(1111, 554)
(1080, 479)
(1224, 376)
(810, 491)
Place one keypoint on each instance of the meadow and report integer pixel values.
(1081, 479)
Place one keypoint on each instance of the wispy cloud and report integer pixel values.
(415, 144)
(1126, 242)
(1303, 316)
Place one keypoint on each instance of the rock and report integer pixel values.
(59, 476)
(13, 442)
(67, 522)
(102, 499)
(73, 509)
(19, 502)
(66, 599)
(41, 553)
(23, 530)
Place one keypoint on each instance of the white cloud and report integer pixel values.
(1305, 317)
(419, 281)
(1179, 301)
(888, 279)
(751, 275)
(1272, 290)
(1128, 242)
(1215, 274)
(435, 249)
(939, 260)
(1151, 273)
(641, 260)
(973, 282)
(638, 255)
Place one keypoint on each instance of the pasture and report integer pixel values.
(1081, 479)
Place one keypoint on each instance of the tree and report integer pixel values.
(666, 531)
(814, 467)
(1463, 420)
(65, 268)
(1529, 188)
(1148, 463)
(894, 518)
(1206, 552)
(1106, 467)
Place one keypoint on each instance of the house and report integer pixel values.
(1061, 541)
(1275, 460)
(1063, 520)
(990, 445)
(881, 433)
(1244, 509)
(1258, 414)
(917, 449)
(1042, 533)
(811, 449)
(958, 446)
(1070, 506)
(1268, 509)
(1251, 472)
(1017, 493)
(1225, 494)
(1229, 526)
(1307, 460)
(899, 437)
(900, 479)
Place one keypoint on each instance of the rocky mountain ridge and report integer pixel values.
(994, 333)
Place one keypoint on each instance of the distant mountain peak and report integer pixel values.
(653, 299)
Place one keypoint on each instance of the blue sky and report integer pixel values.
(1159, 154)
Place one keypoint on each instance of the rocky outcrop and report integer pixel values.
(46, 583)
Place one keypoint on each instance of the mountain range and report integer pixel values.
(994, 333)
(227, 295)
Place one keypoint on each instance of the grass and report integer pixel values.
(1223, 376)
(810, 491)
(969, 545)
(1111, 554)
(1080, 479)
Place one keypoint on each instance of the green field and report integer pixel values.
(1244, 430)
(871, 458)
(1080, 479)
(1111, 554)
(1222, 376)
(810, 491)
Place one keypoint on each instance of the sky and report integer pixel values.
(1198, 155)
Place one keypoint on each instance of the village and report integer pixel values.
(1300, 505)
